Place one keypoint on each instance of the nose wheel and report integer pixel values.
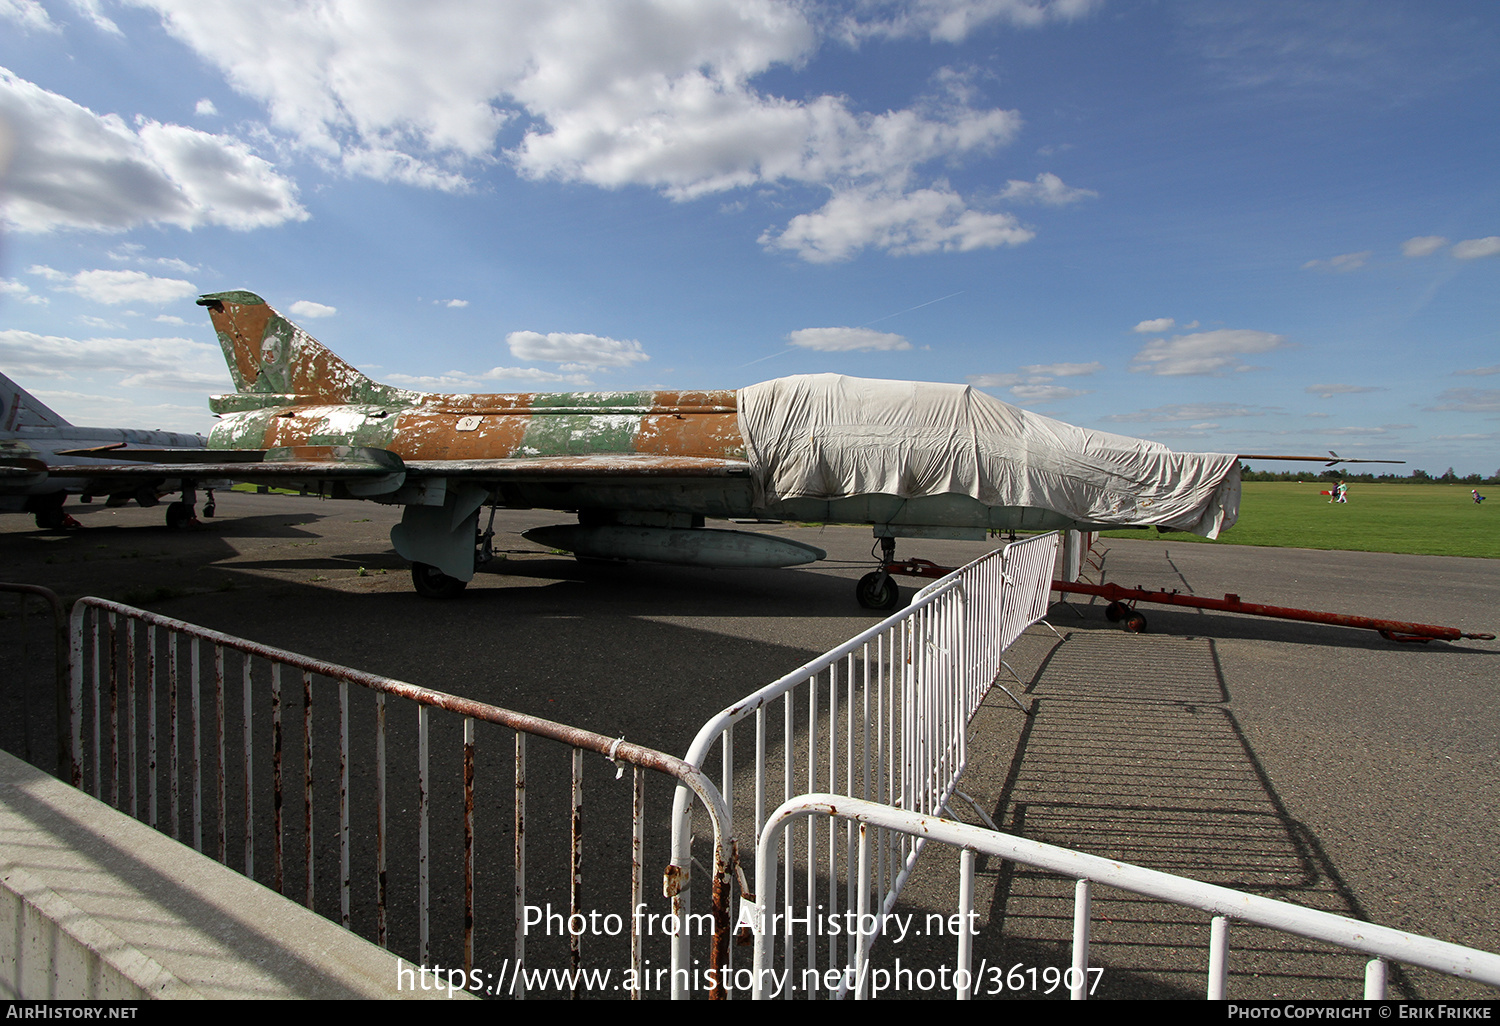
(876, 589)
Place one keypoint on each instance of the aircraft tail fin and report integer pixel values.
(19, 408)
(271, 357)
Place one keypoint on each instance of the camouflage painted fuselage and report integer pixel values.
(294, 392)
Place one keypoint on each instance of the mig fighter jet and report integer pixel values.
(643, 472)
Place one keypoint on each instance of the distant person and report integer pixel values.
(1341, 493)
(1477, 497)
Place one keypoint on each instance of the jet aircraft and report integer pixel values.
(34, 438)
(643, 471)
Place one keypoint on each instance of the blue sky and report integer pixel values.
(1230, 227)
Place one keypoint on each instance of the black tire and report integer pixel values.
(876, 590)
(52, 519)
(1115, 611)
(1135, 623)
(432, 583)
(179, 515)
(208, 510)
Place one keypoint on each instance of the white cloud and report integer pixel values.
(1423, 245)
(20, 292)
(847, 340)
(1329, 391)
(168, 319)
(1045, 393)
(1479, 372)
(952, 21)
(614, 93)
(458, 381)
(575, 351)
(1468, 400)
(1064, 370)
(1355, 432)
(994, 380)
(1186, 411)
(91, 12)
(454, 304)
(73, 168)
(1034, 384)
(1206, 352)
(205, 108)
(115, 287)
(533, 374)
(174, 363)
(453, 381)
(1473, 249)
(1343, 263)
(28, 14)
(307, 308)
(130, 411)
(130, 252)
(1155, 326)
(902, 223)
(1048, 189)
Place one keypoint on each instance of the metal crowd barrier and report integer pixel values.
(1385, 944)
(882, 717)
(138, 693)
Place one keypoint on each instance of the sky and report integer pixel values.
(1227, 227)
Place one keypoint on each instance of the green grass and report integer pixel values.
(1434, 520)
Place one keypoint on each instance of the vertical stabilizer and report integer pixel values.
(269, 355)
(19, 408)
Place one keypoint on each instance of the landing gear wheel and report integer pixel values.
(1115, 611)
(179, 515)
(431, 582)
(209, 508)
(876, 590)
(1135, 623)
(52, 519)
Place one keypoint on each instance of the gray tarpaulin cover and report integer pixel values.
(827, 436)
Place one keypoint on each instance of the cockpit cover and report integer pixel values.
(827, 436)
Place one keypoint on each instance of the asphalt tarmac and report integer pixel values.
(1322, 765)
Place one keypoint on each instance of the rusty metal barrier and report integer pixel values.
(882, 717)
(136, 674)
(19, 678)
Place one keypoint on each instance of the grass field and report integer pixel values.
(1434, 520)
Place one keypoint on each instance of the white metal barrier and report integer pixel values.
(139, 686)
(882, 717)
(875, 821)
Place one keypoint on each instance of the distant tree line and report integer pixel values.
(1344, 474)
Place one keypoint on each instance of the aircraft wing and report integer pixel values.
(360, 465)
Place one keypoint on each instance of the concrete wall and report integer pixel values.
(95, 905)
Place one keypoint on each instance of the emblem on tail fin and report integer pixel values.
(275, 363)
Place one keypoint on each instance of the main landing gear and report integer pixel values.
(180, 514)
(49, 513)
(430, 582)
